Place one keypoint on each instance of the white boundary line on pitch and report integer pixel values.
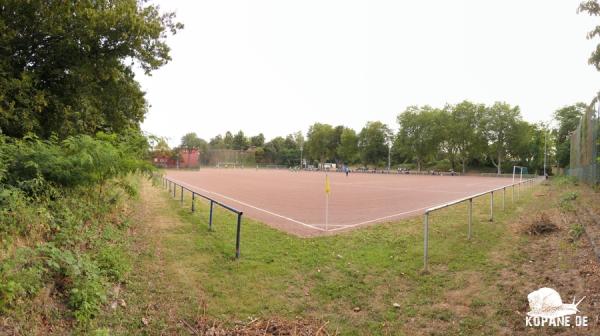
(380, 218)
(246, 204)
(338, 226)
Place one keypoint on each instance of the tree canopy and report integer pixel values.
(592, 7)
(419, 133)
(567, 118)
(501, 129)
(192, 141)
(67, 67)
(373, 142)
(320, 142)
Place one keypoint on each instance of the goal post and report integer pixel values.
(518, 172)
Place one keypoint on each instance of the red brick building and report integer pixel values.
(186, 158)
(189, 158)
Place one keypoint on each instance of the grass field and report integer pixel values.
(349, 281)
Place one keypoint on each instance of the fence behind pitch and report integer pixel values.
(584, 147)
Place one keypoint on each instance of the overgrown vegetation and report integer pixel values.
(62, 222)
(70, 109)
(566, 200)
(576, 231)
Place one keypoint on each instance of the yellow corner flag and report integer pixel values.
(327, 186)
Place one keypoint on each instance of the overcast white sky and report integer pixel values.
(277, 67)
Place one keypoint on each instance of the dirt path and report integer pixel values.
(163, 295)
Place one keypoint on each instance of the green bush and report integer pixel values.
(73, 162)
(569, 196)
(62, 199)
(576, 232)
(113, 263)
(441, 165)
(566, 200)
(20, 276)
(80, 278)
(565, 180)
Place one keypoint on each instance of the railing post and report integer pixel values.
(425, 240)
(237, 237)
(210, 216)
(193, 201)
(181, 195)
(174, 190)
(492, 206)
(503, 198)
(470, 217)
(513, 194)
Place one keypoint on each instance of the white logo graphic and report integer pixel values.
(547, 309)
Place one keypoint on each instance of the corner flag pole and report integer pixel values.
(327, 191)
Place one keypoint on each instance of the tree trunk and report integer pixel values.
(499, 166)
(464, 166)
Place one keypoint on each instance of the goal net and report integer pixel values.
(518, 172)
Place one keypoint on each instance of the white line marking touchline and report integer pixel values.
(248, 205)
(381, 218)
(313, 226)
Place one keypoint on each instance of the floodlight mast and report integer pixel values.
(545, 150)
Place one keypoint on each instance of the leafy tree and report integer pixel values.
(192, 141)
(592, 7)
(273, 150)
(228, 140)
(291, 150)
(239, 142)
(160, 145)
(319, 143)
(530, 147)
(347, 151)
(257, 140)
(217, 142)
(299, 139)
(501, 128)
(464, 134)
(259, 155)
(67, 67)
(419, 134)
(336, 140)
(373, 143)
(281, 151)
(567, 118)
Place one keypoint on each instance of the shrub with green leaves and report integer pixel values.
(62, 199)
(80, 278)
(566, 200)
(566, 180)
(20, 276)
(576, 231)
(73, 162)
